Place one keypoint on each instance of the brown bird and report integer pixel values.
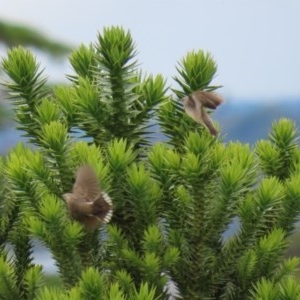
(87, 203)
(195, 104)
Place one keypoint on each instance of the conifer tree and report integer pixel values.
(174, 198)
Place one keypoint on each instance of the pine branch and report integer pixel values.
(15, 34)
(27, 89)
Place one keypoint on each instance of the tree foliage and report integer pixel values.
(174, 199)
(13, 35)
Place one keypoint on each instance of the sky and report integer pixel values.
(256, 43)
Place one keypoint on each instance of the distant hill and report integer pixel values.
(246, 121)
(249, 122)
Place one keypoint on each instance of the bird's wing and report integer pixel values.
(208, 123)
(103, 207)
(208, 99)
(86, 184)
(193, 108)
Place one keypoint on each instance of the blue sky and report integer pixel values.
(255, 43)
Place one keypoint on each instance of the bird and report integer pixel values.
(195, 104)
(87, 203)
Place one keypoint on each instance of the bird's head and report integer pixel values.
(67, 197)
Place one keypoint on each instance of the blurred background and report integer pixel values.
(256, 45)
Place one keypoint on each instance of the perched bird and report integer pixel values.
(195, 104)
(87, 203)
